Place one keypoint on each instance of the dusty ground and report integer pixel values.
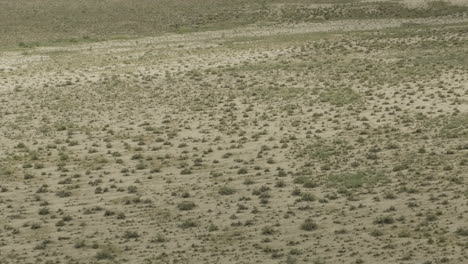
(339, 141)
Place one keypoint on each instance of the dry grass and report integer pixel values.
(342, 141)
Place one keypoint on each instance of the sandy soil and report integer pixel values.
(336, 142)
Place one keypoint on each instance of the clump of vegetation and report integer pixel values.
(384, 220)
(356, 179)
(131, 234)
(309, 225)
(324, 150)
(340, 96)
(186, 205)
(454, 127)
(226, 190)
(188, 223)
(462, 231)
(104, 254)
(308, 197)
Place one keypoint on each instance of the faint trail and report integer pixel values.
(13, 62)
(258, 31)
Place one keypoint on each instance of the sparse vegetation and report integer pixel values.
(282, 131)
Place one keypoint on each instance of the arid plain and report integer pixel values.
(322, 131)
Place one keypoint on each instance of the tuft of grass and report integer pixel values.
(462, 231)
(384, 220)
(186, 205)
(104, 254)
(226, 190)
(308, 197)
(188, 223)
(131, 234)
(309, 225)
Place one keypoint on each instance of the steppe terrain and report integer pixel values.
(216, 131)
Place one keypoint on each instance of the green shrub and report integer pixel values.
(186, 205)
(104, 254)
(226, 190)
